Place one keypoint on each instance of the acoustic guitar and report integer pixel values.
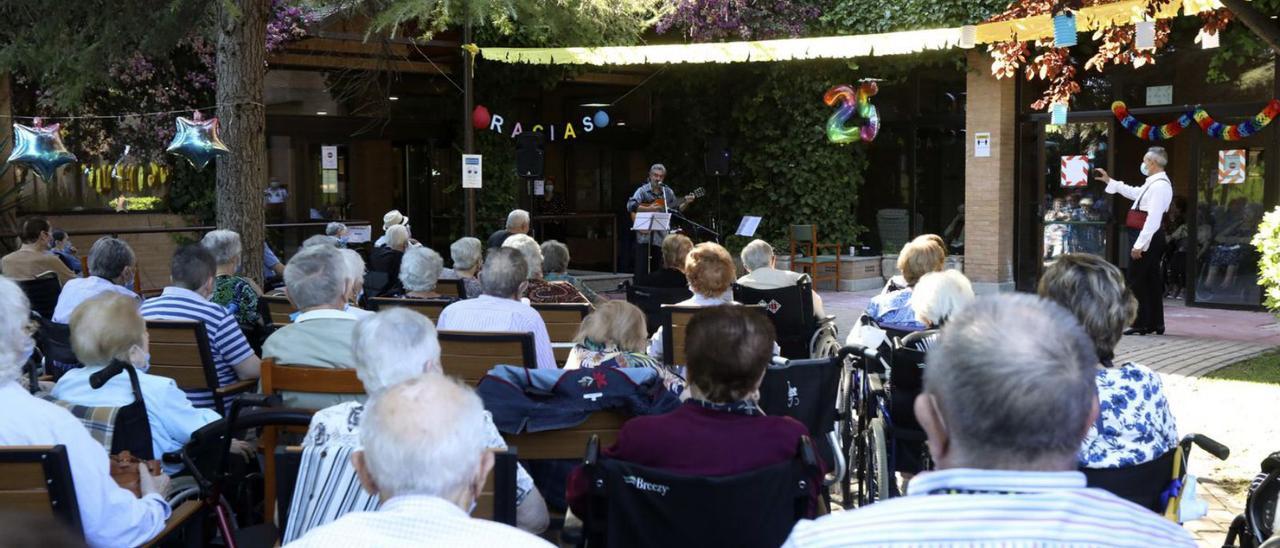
(661, 203)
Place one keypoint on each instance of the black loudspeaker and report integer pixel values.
(529, 154)
(716, 161)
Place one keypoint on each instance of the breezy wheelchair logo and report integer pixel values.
(641, 484)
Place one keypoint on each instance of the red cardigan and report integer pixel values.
(696, 441)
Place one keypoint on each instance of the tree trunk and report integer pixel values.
(242, 174)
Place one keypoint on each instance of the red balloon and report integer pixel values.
(480, 117)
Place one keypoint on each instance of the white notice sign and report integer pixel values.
(359, 234)
(471, 171)
(982, 145)
(748, 226)
(328, 157)
(539, 187)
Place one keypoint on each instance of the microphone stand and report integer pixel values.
(697, 227)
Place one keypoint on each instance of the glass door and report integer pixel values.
(1075, 210)
(1231, 182)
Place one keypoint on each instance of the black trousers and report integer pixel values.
(648, 258)
(1146, 280)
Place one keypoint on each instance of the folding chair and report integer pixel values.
(800, 334)
(810, 258)
(427, 307)
(633, 505)
(651, 299)
(42, 291)
(563, 322)
(469, 355)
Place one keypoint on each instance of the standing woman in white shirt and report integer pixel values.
(1151, 201)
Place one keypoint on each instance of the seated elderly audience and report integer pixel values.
(237, 293)
(535, 288)
(419, 272)
(762, 272)
(109, 514)
(392, 218)
(107, 328)
(466, 253)
(316, 283)
(355, 282)
(939, 295)
(555, 268)
(191, 272)
(517, 223)
(66, 252)
(321, 239)
(897, 281)
(392, 347)
(720, 430)
(1004, 428)
(711, 274)
(500, 309)
(111, 265)
(675, 248)
(337, 230)
(1135, 424)
(33, 258)
(426, 453)
(615, 336)
(386, 259)
(893, 309)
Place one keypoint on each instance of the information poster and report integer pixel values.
(1075, 171)
(1233, 166)
(471, 169)
(328, 157)
(982, 144)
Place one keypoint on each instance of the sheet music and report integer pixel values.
(652, 220)
(748, 226)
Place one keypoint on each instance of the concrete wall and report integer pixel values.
(989, 182)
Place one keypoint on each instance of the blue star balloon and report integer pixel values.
(197, 140)
(40, 149)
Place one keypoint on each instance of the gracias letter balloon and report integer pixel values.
(601, 118)
(39, 148)
(197, 140)
(480, 117)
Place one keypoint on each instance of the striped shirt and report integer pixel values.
(226, 341)
(994, 508)
(489, 313)
(417, 520)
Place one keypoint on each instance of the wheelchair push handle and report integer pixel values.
(860, 350)
(100, 378)
(1208, 444)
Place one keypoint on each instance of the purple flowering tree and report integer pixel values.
(717, 20)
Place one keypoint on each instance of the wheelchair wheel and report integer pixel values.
(879, 476)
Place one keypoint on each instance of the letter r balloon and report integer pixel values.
(851, 101)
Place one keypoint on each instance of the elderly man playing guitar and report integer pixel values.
(654, 196)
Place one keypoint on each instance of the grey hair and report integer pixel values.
(1013, 379)
(555, 257)
(334, 228)
(466, 253)
(397, 236)
(517, 218)
(1094, 290)
(224, 245)
(15, 312)
(316, 276)
(529, 248)
(321, 240)
(393, 346)
(757, 254)
(355, 265)
(939, 295)
(1158, 155)
(431, 422)
(657, 167)
(109, 257)
(420, 269)
(504, 270)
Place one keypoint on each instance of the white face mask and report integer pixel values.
(1145, 172)
(140, 359)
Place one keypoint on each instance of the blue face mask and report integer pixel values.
(1145, 172)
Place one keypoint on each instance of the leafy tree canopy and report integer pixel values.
(526, 22)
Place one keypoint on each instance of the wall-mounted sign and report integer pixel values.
(1159, 95)
(1233, 167)
(982, 144)
(471, 164)
(1075, 171)
(328, 157)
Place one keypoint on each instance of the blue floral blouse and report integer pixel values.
(893, 309)
(1135, 424)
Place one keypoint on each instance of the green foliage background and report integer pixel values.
(1267, 240)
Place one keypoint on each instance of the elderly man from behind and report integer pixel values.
(34, 257)
(762, 272)
(426, 455)
(500, 309)
(192, 274)
(316, 281)
(1005, 409)
(111, 265)
(517, 223)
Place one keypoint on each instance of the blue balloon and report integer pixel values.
(40, 149)
(601, 118)
(197, 140)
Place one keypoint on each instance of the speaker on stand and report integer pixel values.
(715, 163)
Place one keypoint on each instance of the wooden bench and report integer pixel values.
(563, 322)
(180, 351)
(429, 308)
(469, 355)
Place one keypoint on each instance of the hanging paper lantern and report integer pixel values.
(1064, 30)
(601, 118)
(1058, 114)
(39, 148)
(480, 117)
(197, 140)
(1144, 35)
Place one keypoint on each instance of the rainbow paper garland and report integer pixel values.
(1211, 127)
(851, 101)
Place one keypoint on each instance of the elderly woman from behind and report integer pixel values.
(419, 272)
(466, 255)
(391, 347)
(711, 273)
(938, 296)
(1135, 424)
(615, 336)
(893, 309)
(229, 288)
(555, 268)
(535, 288)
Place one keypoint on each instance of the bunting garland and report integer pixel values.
(1200, 117)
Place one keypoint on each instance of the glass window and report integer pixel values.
(1231, 185)
(1076, 207)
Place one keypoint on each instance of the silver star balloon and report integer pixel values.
(39, 148)
(197, 140)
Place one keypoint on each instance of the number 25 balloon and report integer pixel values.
(851, 101)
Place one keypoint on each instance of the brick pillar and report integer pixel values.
(989, 182)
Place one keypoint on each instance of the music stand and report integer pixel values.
(650, 221)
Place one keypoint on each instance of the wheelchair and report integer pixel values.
(1256, 527)
(800, 334)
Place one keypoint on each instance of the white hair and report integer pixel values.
(316, 276)
(466, 253)
(425, 436)
(393, 346)
(527, 247)
(420, 269)
(397, 236)
(321, 240)
(757, 254)
(517, 218)
(555, 257)
(939, 295)
(355, 265)
(224, 245)
(1158, 155)
(334, 228)
(15, 342)
(657, 167)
